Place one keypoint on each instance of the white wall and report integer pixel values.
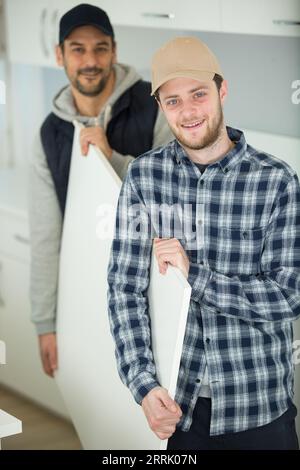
(259, 69)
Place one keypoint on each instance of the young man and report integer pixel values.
(239, 248)
(121, 118)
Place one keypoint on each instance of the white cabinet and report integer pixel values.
(198, 15)
(29, 27)
(32, 30)
(9, 425)
(32, 26)
(23, 371)
(268, 17)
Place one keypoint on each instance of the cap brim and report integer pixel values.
(77, 25)
(195, 74)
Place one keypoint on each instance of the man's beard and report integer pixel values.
(212, 134)
(93, 90)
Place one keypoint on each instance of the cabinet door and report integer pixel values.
(32, 26)
(270, 17)
(23, 371)
(55, 11)
(191, 15)
(29, 27)
(195, 15)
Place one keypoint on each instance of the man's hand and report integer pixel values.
(162, 412)
(95, 136)
(171, 251)
(48, 351)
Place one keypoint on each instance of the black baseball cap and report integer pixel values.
(82, 15)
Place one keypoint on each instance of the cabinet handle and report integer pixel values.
(287, 22)
(168, 16)
(42, 32)
(54, 23)
(21, 239)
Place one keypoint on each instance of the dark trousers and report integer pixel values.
(280, 434)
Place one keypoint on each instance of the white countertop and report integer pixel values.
(9, 425)
(14, 190)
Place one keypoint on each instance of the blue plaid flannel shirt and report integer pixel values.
(244, 274)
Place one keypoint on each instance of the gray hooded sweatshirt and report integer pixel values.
(45, 214)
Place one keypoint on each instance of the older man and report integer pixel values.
(120, 118)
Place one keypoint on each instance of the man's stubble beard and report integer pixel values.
(212, 134)
(96, 89)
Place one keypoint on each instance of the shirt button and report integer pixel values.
(199, 222)
(226, 170)
(245, 234)
(198, 381)
(207, 340)
(202, 182)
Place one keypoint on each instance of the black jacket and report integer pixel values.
(130, 131)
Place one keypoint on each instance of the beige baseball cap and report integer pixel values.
(183, 57)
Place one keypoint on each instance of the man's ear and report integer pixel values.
(59, 56)
(223, 91)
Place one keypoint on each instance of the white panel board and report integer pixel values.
(169, 299)
(102, 408)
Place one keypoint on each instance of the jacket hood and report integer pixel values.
(64, 105)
